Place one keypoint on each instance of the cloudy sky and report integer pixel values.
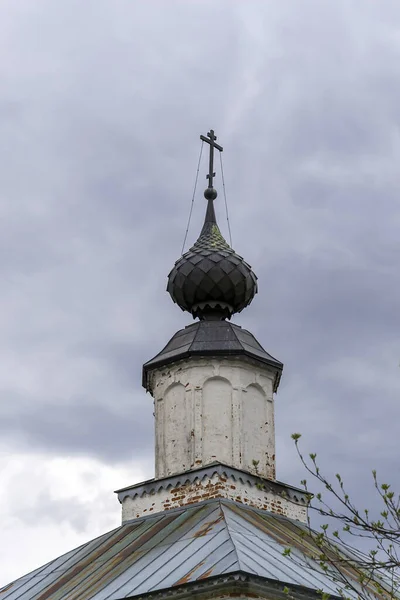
(101, 107)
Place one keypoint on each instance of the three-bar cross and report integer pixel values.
(210, 139)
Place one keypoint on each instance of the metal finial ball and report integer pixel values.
(210, 194)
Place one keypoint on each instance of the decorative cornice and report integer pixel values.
(154, 486)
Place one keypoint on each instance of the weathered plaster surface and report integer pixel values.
(216, 409)
(175, 492)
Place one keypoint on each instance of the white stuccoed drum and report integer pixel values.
(214, 409)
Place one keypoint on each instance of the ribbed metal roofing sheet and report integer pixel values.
(208, 338)
(176, 547)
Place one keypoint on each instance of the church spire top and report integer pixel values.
(210, 193)
(211, 281)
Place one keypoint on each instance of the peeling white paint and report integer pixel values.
(208, 488)
(214, 409)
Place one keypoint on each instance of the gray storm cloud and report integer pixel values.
(101, 106)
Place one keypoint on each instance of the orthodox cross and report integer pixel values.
(210, 139)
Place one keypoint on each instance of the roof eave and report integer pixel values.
(153, 364)
(239, 582)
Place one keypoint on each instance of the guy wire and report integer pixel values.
(194, 194)
(226, 204)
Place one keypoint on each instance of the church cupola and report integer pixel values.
(213, 384)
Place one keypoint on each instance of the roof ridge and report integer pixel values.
(222, 504)
(236, 336)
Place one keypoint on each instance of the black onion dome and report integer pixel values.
(211, 280)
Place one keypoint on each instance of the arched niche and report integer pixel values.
(217, 420)
(255, 438)
(177, 422)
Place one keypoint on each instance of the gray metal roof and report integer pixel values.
(211, 338)
(169, 549)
